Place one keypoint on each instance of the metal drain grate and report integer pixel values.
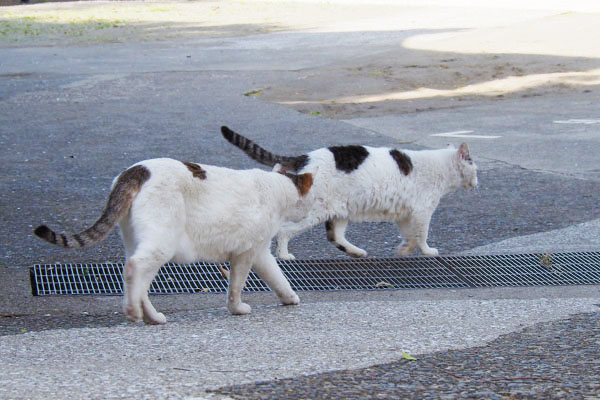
(527, 269)
(356, 274)
(338, 274)
(107, 278)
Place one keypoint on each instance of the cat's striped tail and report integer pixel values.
(119, 202)
(261, 155)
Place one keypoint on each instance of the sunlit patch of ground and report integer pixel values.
(451, 57)
(104, 21)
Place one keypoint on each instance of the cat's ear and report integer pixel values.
(305, 181)
(463, 152)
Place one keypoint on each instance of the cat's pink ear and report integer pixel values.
(463, 152)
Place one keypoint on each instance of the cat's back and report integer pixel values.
(334, 159)
(163, 171)
(177, 172)
(251, 180)
(198, 182)
(357, 162)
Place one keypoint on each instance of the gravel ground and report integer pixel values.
(209, 349)
(534, 363)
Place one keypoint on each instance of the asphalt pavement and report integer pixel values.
(71, 118)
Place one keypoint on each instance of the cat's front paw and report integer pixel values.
(239, 309)
(157, 319)
(286, 256)
(291, 299)
(430, 252)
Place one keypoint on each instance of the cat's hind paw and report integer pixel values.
(357, 253)
(133, 314)
(239, 309)
(405, 248)
(351, 250)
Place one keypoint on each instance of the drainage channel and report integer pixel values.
(336, 274)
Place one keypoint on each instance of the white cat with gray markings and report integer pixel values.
(362, 183)
(183, 212)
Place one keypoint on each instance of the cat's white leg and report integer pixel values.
(288, 231)
(406, 247)
(267, 269)
(152, 236)
(428, 251)
(282, 247)
(336, 229)
(140, 270)
(409, 242)
(416, 233)
(132, 305)
(151, 316)
(422, 233)
(238, 273)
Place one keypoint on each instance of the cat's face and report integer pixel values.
(467, 167)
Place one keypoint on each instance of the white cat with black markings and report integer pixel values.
(361, 183)
(184, 212)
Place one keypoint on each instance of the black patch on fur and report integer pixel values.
(329, 230)
(348, 158)
(403, 161)
(196, 170)
(342, 248)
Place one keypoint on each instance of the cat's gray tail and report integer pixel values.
(261, 155)
(119, 202)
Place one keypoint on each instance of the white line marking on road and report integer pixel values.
(578, 121)
(464, 134)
